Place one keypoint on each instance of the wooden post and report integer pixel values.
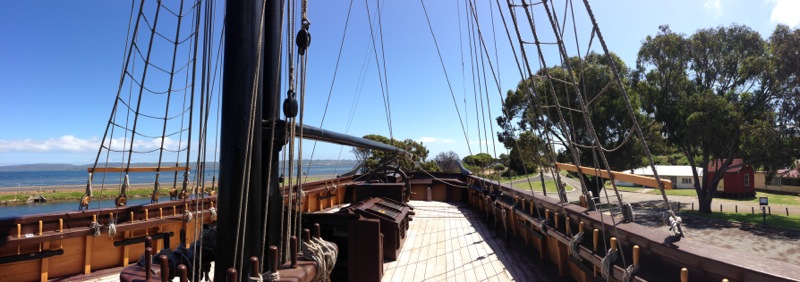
(87, 257)
(146, 214)
(580, 226)
(567, 225)
(595, 237)
(724, 279)
(132, 217)
(736, 208)
(45, 262)
(273, 255)
(635, 255)
(293, 248)
(720, 207)
(254, 270)
(182, 273)
(231, 274)
(684, 275)
(163, 261)
(160, 213)
(555, 218)
(787, 211)
(613, 243)
(148, 263)
(752, 210)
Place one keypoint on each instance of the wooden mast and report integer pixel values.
(242, 32)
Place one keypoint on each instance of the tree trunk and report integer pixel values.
(705, 202)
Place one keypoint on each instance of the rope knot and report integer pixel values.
(95, 228)
(607, 262)
(112, 228)
(188, 216)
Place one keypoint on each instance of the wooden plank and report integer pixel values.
(45, 263)
(616, 175)
(138, 169)
(87, 258)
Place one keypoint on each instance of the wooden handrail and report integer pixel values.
(616, 175)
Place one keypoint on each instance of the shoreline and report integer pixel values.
(14, 196)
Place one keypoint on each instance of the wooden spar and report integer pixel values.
(616, 175)
(138, 169)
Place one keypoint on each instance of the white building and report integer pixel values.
(680, 175)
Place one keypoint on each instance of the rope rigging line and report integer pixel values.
(242, 210)
(154, 198)
(384, 91)
(333, 81)
(638, 129)
(447, 78)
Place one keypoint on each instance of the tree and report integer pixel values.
(713, 93)
(417, 153)
(480, 160)
(532, 106)
(447, 161)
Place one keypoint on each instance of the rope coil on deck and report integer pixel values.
(607, 262)
(323, 253)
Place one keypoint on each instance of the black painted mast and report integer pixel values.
(239, 95)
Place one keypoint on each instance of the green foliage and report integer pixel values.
(533, 106)
(416, 152)
(721, 93)
(479, 160)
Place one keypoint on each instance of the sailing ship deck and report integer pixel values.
(452, 242)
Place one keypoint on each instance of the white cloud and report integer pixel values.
(786, 12)
(67, 143)
(72, 144)
(428, 140)
(714, 7)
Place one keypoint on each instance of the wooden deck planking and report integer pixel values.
(450, 242)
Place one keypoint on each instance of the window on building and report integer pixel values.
(686, 180)
(746, 180)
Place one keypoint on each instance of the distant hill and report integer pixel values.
(209, 165)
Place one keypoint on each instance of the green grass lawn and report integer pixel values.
(625, 188)
(789, 222)
(536, 185)
(675, 192)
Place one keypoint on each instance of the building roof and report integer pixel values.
(736, 165)
(667, 170)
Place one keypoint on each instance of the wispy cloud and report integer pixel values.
(786, 12)
(428, 140)
(72, 144)
(714, 7)
(67, 143)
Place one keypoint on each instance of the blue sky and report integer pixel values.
(60, 64)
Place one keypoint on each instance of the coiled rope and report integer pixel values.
(573, 245)
(629, 272)
(95, 228)
(213, 216)
(323, 253)
(607, 262)
(112, 228)
(271, 276)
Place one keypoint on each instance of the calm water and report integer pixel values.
(12, 179)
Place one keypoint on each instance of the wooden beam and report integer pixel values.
(138, 169)
(616, 175)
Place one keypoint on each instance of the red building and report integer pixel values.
(737, 182)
